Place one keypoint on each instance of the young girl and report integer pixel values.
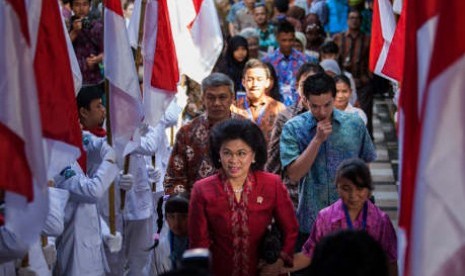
(170, 243)
(343, 95)
(354, 211)
(233, 61)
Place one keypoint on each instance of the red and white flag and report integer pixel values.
(55, 86)
(431, 222)
(22, 161)
(382, 32)
(180, 37)
(126, 110)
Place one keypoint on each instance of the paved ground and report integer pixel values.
(384, 169)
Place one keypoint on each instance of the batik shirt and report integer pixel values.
(332, 219)
(286, 69)
(348, 139)
(267, 38)
(190, 159)
(89, 42)
(263, 113)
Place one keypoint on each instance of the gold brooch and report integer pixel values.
(259, 200)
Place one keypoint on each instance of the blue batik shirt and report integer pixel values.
(317, 190)
(286, 69)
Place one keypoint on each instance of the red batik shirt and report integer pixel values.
(190, 158)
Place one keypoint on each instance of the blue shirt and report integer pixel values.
(337, 17)
(286, 69)
(317, 189)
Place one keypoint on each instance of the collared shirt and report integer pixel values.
(351, 109)
(273, 164)
(349, 138)
(244, 19)
(332, 218)
(286, 69)
(354, 53)
(263, 113)
(267, 38)
(190, 159)
(89, 42)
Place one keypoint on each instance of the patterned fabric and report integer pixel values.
(263, 113)
(89, 42)
(239, 222)
(349, 138)
(286, 69)
(273, 164)
(267, 38)
(211, 221)
(190, 157)
(353, 55)
(332, 219)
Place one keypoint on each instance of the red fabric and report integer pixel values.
(15, 172)
(165, 73)
(210, 224)
(394, 65)
(115, 6)
(55, 85)
(377, 40)
(417, 13)
(20, 9)
(98, 131)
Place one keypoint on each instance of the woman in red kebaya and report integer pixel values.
(229, 212)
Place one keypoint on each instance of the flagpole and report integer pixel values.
(138, 62)
(111, 189)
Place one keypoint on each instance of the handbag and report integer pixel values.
(271, 245)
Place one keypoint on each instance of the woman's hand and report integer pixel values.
(272, 269)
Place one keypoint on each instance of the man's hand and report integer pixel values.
(92, 61)
(324, 129)
(77, 25)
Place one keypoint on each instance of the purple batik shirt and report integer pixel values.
(332, 219)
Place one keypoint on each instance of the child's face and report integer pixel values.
(353, 197)
(240, 54)
(177, 223)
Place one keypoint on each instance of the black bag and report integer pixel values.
(271, 245)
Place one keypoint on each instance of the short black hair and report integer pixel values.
(71, 2)
(329, 47)
(281, 5)
(319, 84)
(348, 252)
(308, 68)
(245, 130)
(285, 26)
(89, 93)
(357, 171)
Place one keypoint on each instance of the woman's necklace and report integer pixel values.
(238, 190)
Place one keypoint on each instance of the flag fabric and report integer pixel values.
(22, 161)
(126, 109)
(55, 87)
(194, 28)
(394, 64)
(431, 222)
(383, 27)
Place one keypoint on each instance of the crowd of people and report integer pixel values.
(278, 136)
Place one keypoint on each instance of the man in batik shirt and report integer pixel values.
(257, 106)
(190, 159)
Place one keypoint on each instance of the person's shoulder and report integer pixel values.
(206, 183)
(300, 119)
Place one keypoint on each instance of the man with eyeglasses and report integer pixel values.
(190, 159)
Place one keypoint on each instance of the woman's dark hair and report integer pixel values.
(342, 78)
(348, 252)
(357, 171)
(245, 130)
(177, 203)
(274, 91)
(232, 67)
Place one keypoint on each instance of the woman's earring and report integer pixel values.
(253, 161)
